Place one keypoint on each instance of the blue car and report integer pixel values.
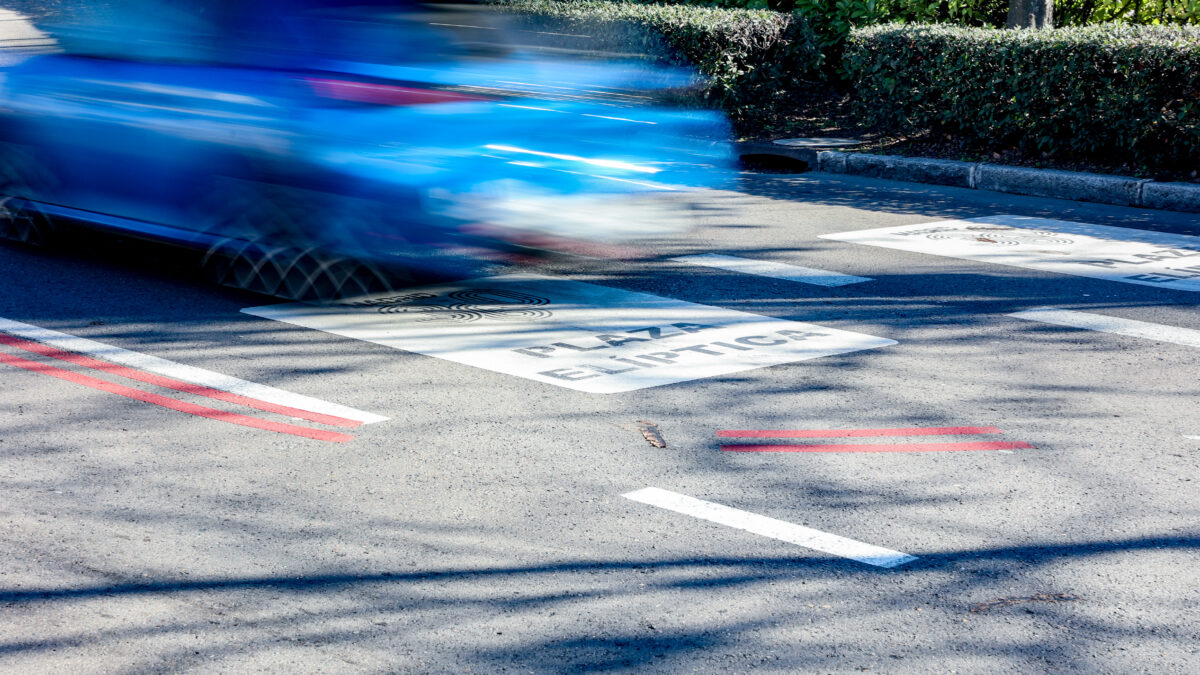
(303, 145)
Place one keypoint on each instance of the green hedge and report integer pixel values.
(1119, 94)
(756, 61)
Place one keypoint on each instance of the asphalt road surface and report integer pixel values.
(502, 510)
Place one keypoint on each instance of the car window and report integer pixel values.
(282, 33)
(144, 30)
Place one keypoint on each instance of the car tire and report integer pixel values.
(292, 273)
(274, 240)
(22, 180)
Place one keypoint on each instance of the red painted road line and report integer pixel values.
(172, 383)
(886, 447)
(173, 404)
(848, 433)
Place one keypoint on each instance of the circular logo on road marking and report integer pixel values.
(1004, 236)
(470, 305)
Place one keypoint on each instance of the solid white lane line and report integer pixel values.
(1112, 324)
(770, 527)
(180, 371)
(774, 270)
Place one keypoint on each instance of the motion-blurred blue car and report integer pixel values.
(292, 140)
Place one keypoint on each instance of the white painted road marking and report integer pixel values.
(774, 270)
(168, 402)
(1112, 324)
(572, 334)
(770, 527)
(1097, 251)
(179, 371)
(1194, 438)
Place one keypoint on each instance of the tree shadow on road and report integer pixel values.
(991, 526)
(390, 610)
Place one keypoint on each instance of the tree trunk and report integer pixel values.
(1030, 13)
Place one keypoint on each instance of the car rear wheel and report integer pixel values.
(23, 179)
(22, 222)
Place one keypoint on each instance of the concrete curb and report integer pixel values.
(935, 171)
(1074, 185)
(1080, 187)
(1171, 196)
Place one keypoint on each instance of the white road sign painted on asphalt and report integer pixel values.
(572, 334)
(1099, 251)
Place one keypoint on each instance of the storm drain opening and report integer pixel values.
(768, 163)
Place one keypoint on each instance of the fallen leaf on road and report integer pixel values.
(651, 433)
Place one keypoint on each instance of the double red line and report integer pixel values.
(171, 383)
(867, 447)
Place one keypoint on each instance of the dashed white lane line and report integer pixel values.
(774, 270)
(183, 372)
(1112, 324)
(770, 527)
(1194, 438)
